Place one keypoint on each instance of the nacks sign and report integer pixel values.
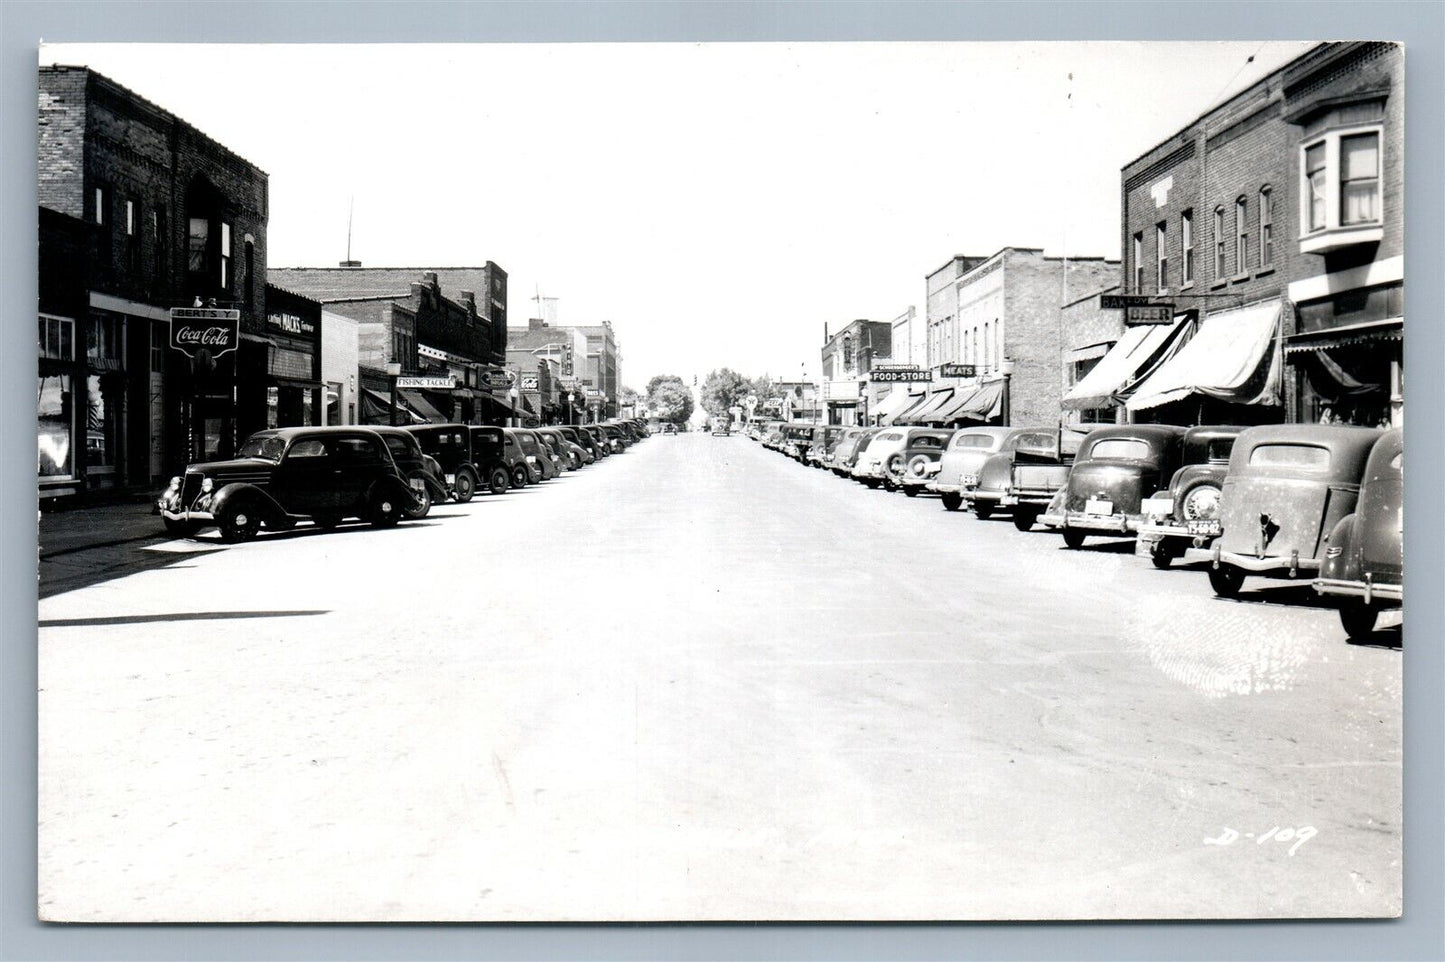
(214, 330)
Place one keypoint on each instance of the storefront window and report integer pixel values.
(102, 423)
(56, 427)
(273, 406)
(215, 429)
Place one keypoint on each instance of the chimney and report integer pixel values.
(535, 324)
(429, 277)
(468, 300)
(349, 264)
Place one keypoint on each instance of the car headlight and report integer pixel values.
(206, 486)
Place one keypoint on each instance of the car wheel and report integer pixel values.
(952, 501)
(982, 510)
(1163, 553)
(386, 509)
(420, 506)
(237, 523)
(498, 481)
(519, 476)
(1357, 619)
(1226, 580)
(327, 522)
(1073, 538)
(872, 483)
(464, 487)
(911, 491)
(575, 461)
(180, 529)
(1024, 518)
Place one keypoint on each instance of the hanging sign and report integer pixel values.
(214, 330)
(958, 370)
(447, 383)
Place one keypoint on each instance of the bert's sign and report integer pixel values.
(210, 329)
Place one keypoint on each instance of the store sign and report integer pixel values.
(895, 367)
(496, 379)
(428, 383)
(530, 382)
(958, 370)
(1117, 302)
(288, 323)
(887, 377)
(593, 394)
(214, 330)
(1149, 314)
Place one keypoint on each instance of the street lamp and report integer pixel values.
(512, 396)
(393, 371)
(571, 413)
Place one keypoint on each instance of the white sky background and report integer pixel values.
(717, 202)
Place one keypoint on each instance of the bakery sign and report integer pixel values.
(288, 323)
(213, 330)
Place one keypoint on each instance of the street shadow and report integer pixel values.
(1391, 639)
(1288, 595)
(172, 616)
(307, 530)
(1110, 546)
(59, 573)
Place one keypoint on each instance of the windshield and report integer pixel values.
(268, 447)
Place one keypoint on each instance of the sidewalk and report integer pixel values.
(97, 526)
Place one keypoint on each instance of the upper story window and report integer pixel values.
(1161, 256)
(1186, 232)
(224, 277)
(102, 201)
(198, 240)
(1266, 227)
(1340, 178)
(1221, 269)
(1241, 236)
(57, 337)
(1138, 251)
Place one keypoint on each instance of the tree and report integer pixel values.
(723, 389)
(669, 399)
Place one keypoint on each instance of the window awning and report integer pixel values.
(985, 404)
(421, 406)
(1233, 357)
(916, 401)
(894, 402)
(936, 402)
(1390, 329)
(376, 408)
(1090, 352)
(1138, 352)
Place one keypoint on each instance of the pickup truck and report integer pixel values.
(1026, 475)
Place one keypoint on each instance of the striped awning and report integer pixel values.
(1389, 329)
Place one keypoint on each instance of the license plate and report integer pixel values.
(1099, 506)
(1209, 528)
(969, 480)
(451, 479)
(1157, 507)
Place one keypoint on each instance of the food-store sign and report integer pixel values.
(530, 382)
(212, 329)
(288, 323)
(431, 383)
(958, 370)
(884, 377)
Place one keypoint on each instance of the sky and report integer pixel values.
(718, 203)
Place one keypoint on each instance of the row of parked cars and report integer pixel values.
(1323, 502)
(381, 475)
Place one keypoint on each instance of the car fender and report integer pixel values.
(391, 485)
(1342, 564)
(433, 484)
(241, 492)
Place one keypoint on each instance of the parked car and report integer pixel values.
(1287, 487)
(838, 460)
(1106, 487)
(797, 435)
(490, 457)
(721, 427)
(616, 440)
(921, 459)
(1187, 512)
(450, 447)
(669, 428)
(414, 463)
(285, 475)
(524, 454)
(1364, 563)
(571, 453)
(958, 467)
(1030, 468)
(582, 439)
(535, 446)
(824, 440)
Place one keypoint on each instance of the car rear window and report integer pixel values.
(1307, 456)
(973, 441)
(1125, 448)
(1220, 448)
(1037, 440)
(399, 447)
(889, 436)
(927, 442)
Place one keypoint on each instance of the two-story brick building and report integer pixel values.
(848, 357)
(1273, 224)
(556, 356)
(174, 219)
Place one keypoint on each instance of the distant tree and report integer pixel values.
(723, 389)
(628, 397)
(669, 398)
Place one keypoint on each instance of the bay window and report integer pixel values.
(1360, 178)
(1340, 174)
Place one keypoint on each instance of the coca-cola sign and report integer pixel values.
(211, 329)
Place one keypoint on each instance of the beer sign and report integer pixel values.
(214, 330)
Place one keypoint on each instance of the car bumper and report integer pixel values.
(1370, 590)
(1159, 530)
(867, 471)
(1108, 524)
(187, 515)
(1290, 564)
(912, 481)
(944, 487)
(1000, 498)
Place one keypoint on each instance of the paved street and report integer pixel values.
(700, 681)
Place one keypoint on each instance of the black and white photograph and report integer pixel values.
(710, 482)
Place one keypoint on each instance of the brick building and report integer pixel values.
(175, 218)
(1001, 318)
(602, 375)
(1273, 224)
(562, 352)
(848, 357)
(447, 323)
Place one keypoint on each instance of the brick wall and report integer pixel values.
(60, 153)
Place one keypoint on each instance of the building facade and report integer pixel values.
(175, 220)
(340, 367)
(1272, 225)
(562, 351)
(848, 357)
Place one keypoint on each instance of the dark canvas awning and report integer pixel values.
(1233, 357)
(1390, 329)
(903, 415)
(376, 409)
(1137, 354)
(927, 412)
(985, 404)
(420, 405)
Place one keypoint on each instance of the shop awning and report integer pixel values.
(949, 412)
(1234, 357)
(421, 406)
(894, 402)
(1132, 358)
(985, 404)
(936, 402)
(376, 408)
(282, 381)
(916, 401)
(499, 408)
(1390, 329)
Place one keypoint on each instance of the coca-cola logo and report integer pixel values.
(214, 335)
(204, 336)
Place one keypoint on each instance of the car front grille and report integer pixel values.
(190, 488)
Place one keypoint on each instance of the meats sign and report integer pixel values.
(213, 330)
